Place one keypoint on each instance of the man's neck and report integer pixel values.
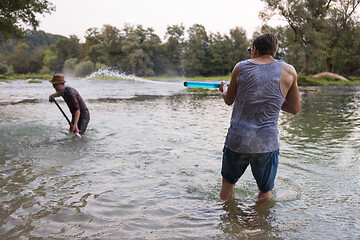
(60, 88)
(263, 59)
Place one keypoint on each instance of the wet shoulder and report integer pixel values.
(289, 68)
(70, 91)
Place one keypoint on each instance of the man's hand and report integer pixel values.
(74, 128)
(223, 86)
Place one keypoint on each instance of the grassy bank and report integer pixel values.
(30, 77)
(326, 81)
(302, 80)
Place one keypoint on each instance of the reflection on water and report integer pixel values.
(248, 220)
(150, 166)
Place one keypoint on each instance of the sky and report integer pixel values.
(76, 16)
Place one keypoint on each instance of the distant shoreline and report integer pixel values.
(302, 80)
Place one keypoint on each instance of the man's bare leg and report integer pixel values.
(265, 195)
(227, 190)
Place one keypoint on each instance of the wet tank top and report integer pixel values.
(253, 127)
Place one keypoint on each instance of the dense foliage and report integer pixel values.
(15, 14)
(133, 50)
(321, 35)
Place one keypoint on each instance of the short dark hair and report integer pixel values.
(266, 44)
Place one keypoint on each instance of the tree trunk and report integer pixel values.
(306, 67)
(329, 65)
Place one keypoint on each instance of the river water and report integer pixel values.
(149, 167)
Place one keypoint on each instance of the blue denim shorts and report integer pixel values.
(263, 166)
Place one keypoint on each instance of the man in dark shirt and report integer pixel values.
(79, 111)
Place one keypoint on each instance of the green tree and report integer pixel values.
(92, 38)
(16, 14)
(84, 68)
(111, 44)
(219, 49)
(96, 53)
(66, 48)
(19, 58)
(36, 59)
(136, 60)
(3, 68)
(239, 45)
(341, 37)
(306, 18)
(36, 39)
(51, 62)
(196, 51)
(69, 66)
(28, 53)
(173, 49)
(153, 47)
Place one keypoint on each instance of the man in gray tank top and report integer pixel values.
(259, 88)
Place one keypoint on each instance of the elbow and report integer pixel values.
(228, 97)
(291, 108)
(229, 103)
(295, 110)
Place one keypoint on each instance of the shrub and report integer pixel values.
(308, 81)
(6, 69)
(53, 64)
(69, 65)
(3, 68)
(84, 68)
(45, 70)
(10, 70)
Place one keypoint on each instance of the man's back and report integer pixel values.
(280, 91)
(75, 101)
(256, 109)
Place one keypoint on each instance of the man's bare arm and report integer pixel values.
(229, 93)
(290, 88)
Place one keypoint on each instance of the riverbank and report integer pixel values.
(326, 80)
(31, 77)
(302, 80)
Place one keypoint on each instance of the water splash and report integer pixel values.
(116, 74)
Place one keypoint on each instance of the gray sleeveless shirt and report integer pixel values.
(253, 126)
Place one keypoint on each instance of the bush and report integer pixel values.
(6, 69)
(84, 68)
(69, 65)
(3, 68)
(10, 70)
(45, 70)
(52, 63)
(327, 78)
(308, 81)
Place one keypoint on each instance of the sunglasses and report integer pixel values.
(249, 49)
